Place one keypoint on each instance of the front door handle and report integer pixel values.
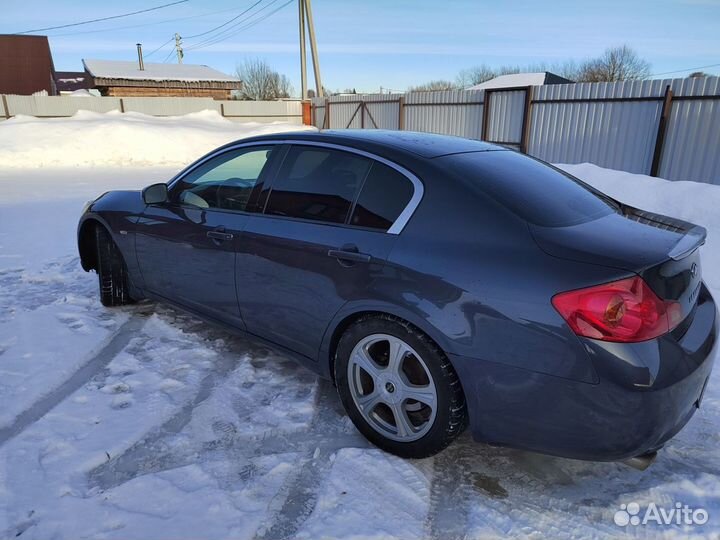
(219, 235)
(349, 253)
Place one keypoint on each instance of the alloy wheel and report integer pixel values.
(392, 387)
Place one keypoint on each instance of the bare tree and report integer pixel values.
(698, 75)
(261, 82)
(475, 75)
(433, 86)
(616, 64)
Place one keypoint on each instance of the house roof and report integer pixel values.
(521, 79)
(118, 69)
(26, 65)
(69, 81)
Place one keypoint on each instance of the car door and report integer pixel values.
(317, 245)
(186, 246)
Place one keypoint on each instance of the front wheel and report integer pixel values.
(398, 387)
(111, 270)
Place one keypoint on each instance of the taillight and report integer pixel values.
(626, 310)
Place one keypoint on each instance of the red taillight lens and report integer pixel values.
(626, 311)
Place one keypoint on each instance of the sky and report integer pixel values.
(371, 44)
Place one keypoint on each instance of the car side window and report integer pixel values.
(227, 181)
(383, 197)
(317, 183)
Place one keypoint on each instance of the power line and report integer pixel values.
(169, 55)
(683, 70)
(104, 18)
(236, 31)
(165, 21)
(211, 39)
(225, 23)
(160, 47)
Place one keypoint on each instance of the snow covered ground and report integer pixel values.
(143, 422)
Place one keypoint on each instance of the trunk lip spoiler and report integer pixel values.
(690, 241)
(693, 237)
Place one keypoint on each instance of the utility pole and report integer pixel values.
(305, 11)
(303, 56)
(178, 47)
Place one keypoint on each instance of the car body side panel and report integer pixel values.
(289, 288)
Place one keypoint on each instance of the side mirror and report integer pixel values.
(155, 194)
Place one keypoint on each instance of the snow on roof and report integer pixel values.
(514, 79)
(118, 69)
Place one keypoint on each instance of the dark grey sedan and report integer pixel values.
(438, 281)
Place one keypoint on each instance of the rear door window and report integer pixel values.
(383, 197)
(318, 184)
(534, 191)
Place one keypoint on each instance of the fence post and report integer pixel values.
(6, 107)
(662, 128)
(306, 113)
(122, 106)
(222, 110)
(525, 136)
(401, 113)
(326, 120)
(486, 114)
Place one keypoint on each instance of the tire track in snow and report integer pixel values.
(300, 493)
(151, 454)
(116, 343)
(448, 512)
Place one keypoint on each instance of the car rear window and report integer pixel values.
(532, 190)
(384, 195)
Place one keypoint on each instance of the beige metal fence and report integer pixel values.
(667, 128)
(239, 111)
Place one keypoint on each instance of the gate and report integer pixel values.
(506, 121)
(367, 112)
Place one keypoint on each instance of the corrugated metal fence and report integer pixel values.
(61, 106)
(668, 128)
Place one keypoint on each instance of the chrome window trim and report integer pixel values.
(397, 226)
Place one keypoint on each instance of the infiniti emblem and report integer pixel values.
(693, 270)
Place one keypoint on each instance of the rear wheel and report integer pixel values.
(398, 387)
(111, 270)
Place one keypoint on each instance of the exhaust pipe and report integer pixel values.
(641, 462)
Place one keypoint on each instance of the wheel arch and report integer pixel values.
(86, 241)
(350, 314)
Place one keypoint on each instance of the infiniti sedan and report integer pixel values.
(439, 282)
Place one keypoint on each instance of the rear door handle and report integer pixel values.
(349, 253)
(219, 235)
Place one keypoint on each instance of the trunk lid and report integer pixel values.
(662, 250)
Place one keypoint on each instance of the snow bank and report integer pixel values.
(691, 201)
(120, 139)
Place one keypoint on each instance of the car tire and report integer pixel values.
(111, 270)
(375, 394)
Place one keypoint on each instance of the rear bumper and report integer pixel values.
(647, 392)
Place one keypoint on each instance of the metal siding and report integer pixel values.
(169, 106)
(438, 112)
(692, 141)
(26, 65)
(266, 111)
(318, 105)
(386, 115)
(616, 135)
(506, 116)
(59, 105)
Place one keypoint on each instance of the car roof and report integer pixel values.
(427, 145)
